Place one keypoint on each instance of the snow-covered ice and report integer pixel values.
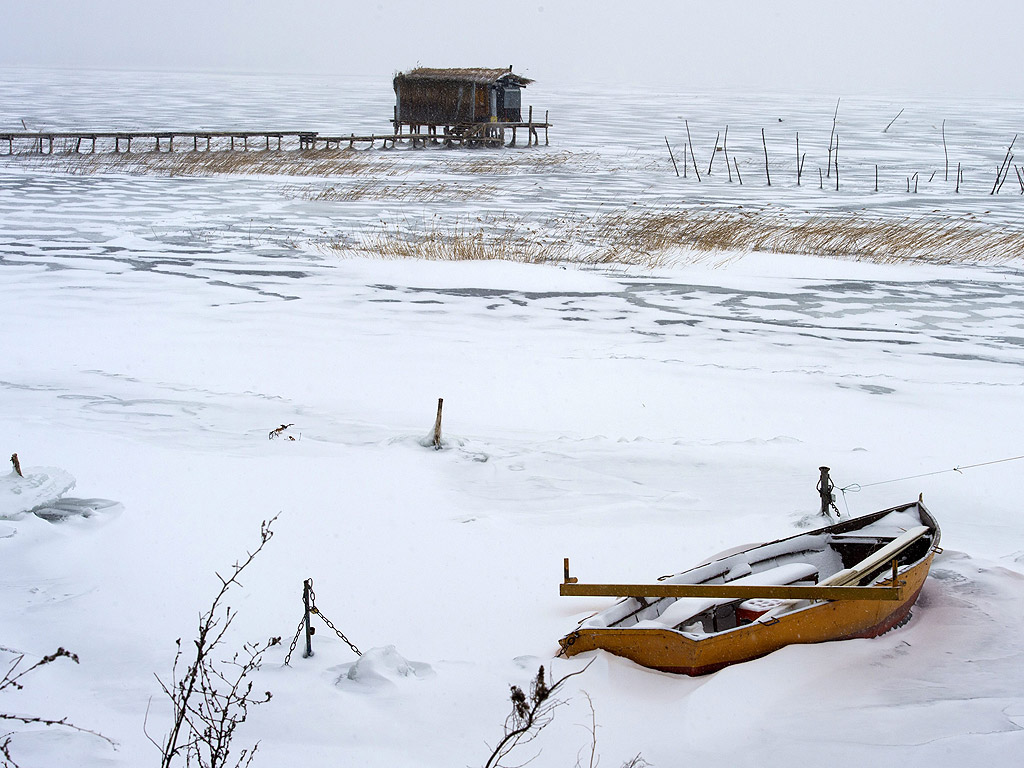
(634, 420)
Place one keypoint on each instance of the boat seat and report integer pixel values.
(685, 608)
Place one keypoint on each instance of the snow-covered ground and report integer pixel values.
(156, 329)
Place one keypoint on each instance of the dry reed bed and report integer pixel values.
(633, 238)
(657, 239)
(192, 163)
(421, 192)
(526, 161)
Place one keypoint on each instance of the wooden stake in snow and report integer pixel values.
(437, 425)
(959, 176)
(725, 148)
(671, 156)
(693, 157)
(17, 464)
(886, 129)
(876, 177)
(1003, 166)
(737, 166)
(714, 151)
(837, 162)
(835, 117)
(945, 151)
(798, 158)
(765, 143)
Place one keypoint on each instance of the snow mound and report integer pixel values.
(40, 486)
(379, 669)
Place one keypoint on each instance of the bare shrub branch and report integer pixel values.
(211, 698)
(530, 714)
(12, 679)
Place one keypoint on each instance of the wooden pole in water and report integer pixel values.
(835, 117)
(798, 158)
(1005, 174)
(693, 157)
(725, 148)
(999, 173)
(671, 156)
(714, 151)
(837, 162)
(944, 150)
(886, 129)
(437, 425)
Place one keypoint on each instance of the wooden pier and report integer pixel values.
(43, 142)
(475, 134)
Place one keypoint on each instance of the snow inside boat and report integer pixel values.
(856, 578)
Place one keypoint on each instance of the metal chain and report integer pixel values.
(314, 610)
(295, 640)
(337, 631)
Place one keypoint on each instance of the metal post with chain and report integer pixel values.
(310, 609)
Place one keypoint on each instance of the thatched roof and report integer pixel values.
(478, 75)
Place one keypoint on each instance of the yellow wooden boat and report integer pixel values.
(857, 578)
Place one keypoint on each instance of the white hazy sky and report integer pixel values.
(912, 47)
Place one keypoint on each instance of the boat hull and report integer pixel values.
(673, 651)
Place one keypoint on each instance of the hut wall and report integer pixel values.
(439, 103)
(482, 105)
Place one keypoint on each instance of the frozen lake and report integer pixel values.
(636, 419)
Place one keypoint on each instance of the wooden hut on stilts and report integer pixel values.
(465, 106)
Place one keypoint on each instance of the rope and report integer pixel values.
(855, 487)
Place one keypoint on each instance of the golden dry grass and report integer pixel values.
(511, 162)
(459, 244)
(657, 239)
(217, 163)
(421, 192)
(641, 237)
